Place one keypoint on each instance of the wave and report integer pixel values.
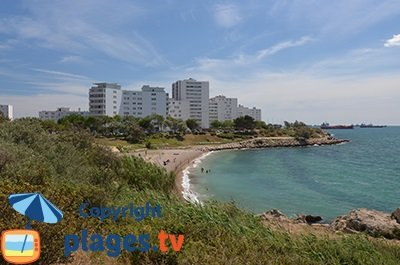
(188, 193)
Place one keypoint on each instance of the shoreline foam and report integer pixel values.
(187, 193)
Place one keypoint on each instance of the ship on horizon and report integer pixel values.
(371, 126)
(327, 126)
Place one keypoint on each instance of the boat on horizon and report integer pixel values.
(327, 126)
(372, 126)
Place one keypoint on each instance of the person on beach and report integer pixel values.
(202, 170)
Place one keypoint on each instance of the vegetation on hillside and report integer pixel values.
(156, 131)
(69, 169)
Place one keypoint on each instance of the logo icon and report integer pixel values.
(20, 246)
(23, 246)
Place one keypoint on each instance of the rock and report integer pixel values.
(396, 215)
(375, 223)
(274, 215)
(115, 150)
(308, 219)
(311, 219)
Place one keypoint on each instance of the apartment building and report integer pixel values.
(108, 99)
(252, 112)
(7, 111)
(60, 113)
(197, 94)
(178, 109)
(223, 108)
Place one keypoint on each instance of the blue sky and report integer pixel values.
(315, 61)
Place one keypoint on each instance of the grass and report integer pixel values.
(159, 141)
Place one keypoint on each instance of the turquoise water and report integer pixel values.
(325, 180)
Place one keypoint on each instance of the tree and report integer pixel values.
(261, 125)
(244, 122)
(216, 124)
(176, 125)
(302, 133)
(287, 124)
(75, 120)
(2, 118)
(192, 124)
(146, 124)
(135, 134)
(228, 124)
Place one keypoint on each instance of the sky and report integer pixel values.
(309, 60)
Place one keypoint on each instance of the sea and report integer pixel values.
(319, 180)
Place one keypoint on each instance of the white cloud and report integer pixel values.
(84, 26)
(243, 60)
(71, 59)
(5, 46)
(227, 15)
(282, 46)
(395, 41)
(62, 74)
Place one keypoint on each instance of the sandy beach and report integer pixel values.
(173, 160)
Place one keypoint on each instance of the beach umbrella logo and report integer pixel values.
(23, 246)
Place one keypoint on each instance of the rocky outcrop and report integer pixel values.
(276, 215)
(309, 219)
(375, 223)
(396, 215)
(264, 142)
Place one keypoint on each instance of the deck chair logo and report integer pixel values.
(22, 246)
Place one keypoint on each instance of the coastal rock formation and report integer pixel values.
(309, 219)
(276, 215)
(375, 223)
(396, 215)
(263, 142)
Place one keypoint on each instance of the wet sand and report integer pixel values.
(178, 159)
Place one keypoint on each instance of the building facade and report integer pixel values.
(179, 109)
(223, 108)
(252, 112)
(108, 99)
(197, 94)
(60, 113)
(7, 111)
(105, 99)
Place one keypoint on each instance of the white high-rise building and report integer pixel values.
(223, 108)
(252, 112)
(178, 109)
(107, 99)
(60, 113)
(7, 111)
(197, 94)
